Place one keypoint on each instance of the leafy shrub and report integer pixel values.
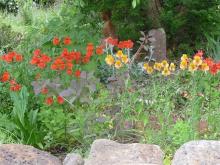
(9, 39)
(9, 5)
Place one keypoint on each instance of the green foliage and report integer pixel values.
(128, 20)
(9, 38)
(191, 18)
(213, 47)
(26, 126)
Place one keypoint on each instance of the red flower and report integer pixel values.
(77, 73)
(86, 59)
(44, 90)
(67, 41)
(12, 56)
(5, 77)
(37, 52)
(14, 86)
(99, 50)
(125, 44)
(69, 71)
(209, 61)
(90, 47)
(199, 53)
(214, 69)
(56, 41)
(60, 100)
(40, 60)
(112, 41)
(18, 58)
(49, 101)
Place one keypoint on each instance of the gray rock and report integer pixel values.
(198, 153)
(17, 154)
(107, 152)
(73, 159)
(158, 41)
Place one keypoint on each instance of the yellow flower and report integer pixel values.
(183, 65)
(158, 66)
(197, 60)
(145, 66)
(109, 60)
(165, 64)
(192, 67)
(172, 67)
(166, 71)
(149, 70)
(184, 57)
(118, 64)
(124, 59)
(204, 67)
(119, 54)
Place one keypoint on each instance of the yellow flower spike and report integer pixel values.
(145, 66)
(118, 64)
(119, 54)
(158, 66)
(124, 59)
(204, 67)
(166, 71)
(183, 65)
(192, 67)
(149, 70)
(165, 63)
(109, 60)
(172, 67)
(197, 60)
(184, 57)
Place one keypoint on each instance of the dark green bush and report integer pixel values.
(9, 6)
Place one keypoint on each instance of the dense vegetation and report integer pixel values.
(43, 104)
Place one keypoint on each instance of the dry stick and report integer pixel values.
(137, 54)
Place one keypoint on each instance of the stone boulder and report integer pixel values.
(107, 152)
(73, 159)
(201, 152)
(158, 42)
(17, 154)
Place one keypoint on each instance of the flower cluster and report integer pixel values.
(117, 60)
(12, 57)
(66, 41)
(6, 78)
(164, 67)
(39, 59)
(199, 63)
(50, 100)
(69, 62)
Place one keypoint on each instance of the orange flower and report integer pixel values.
(90, 47)
(44, 90)
(49, 101)
(112, 41)
(67, 41)
(14, 86)
(11, 57)
(69, 71)
(60, 100)
(99, 50)
(5, 77)
(18, 58)
(56, 41)
(126, 44)
(77, 73)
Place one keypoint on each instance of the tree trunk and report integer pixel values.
(153, 11)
